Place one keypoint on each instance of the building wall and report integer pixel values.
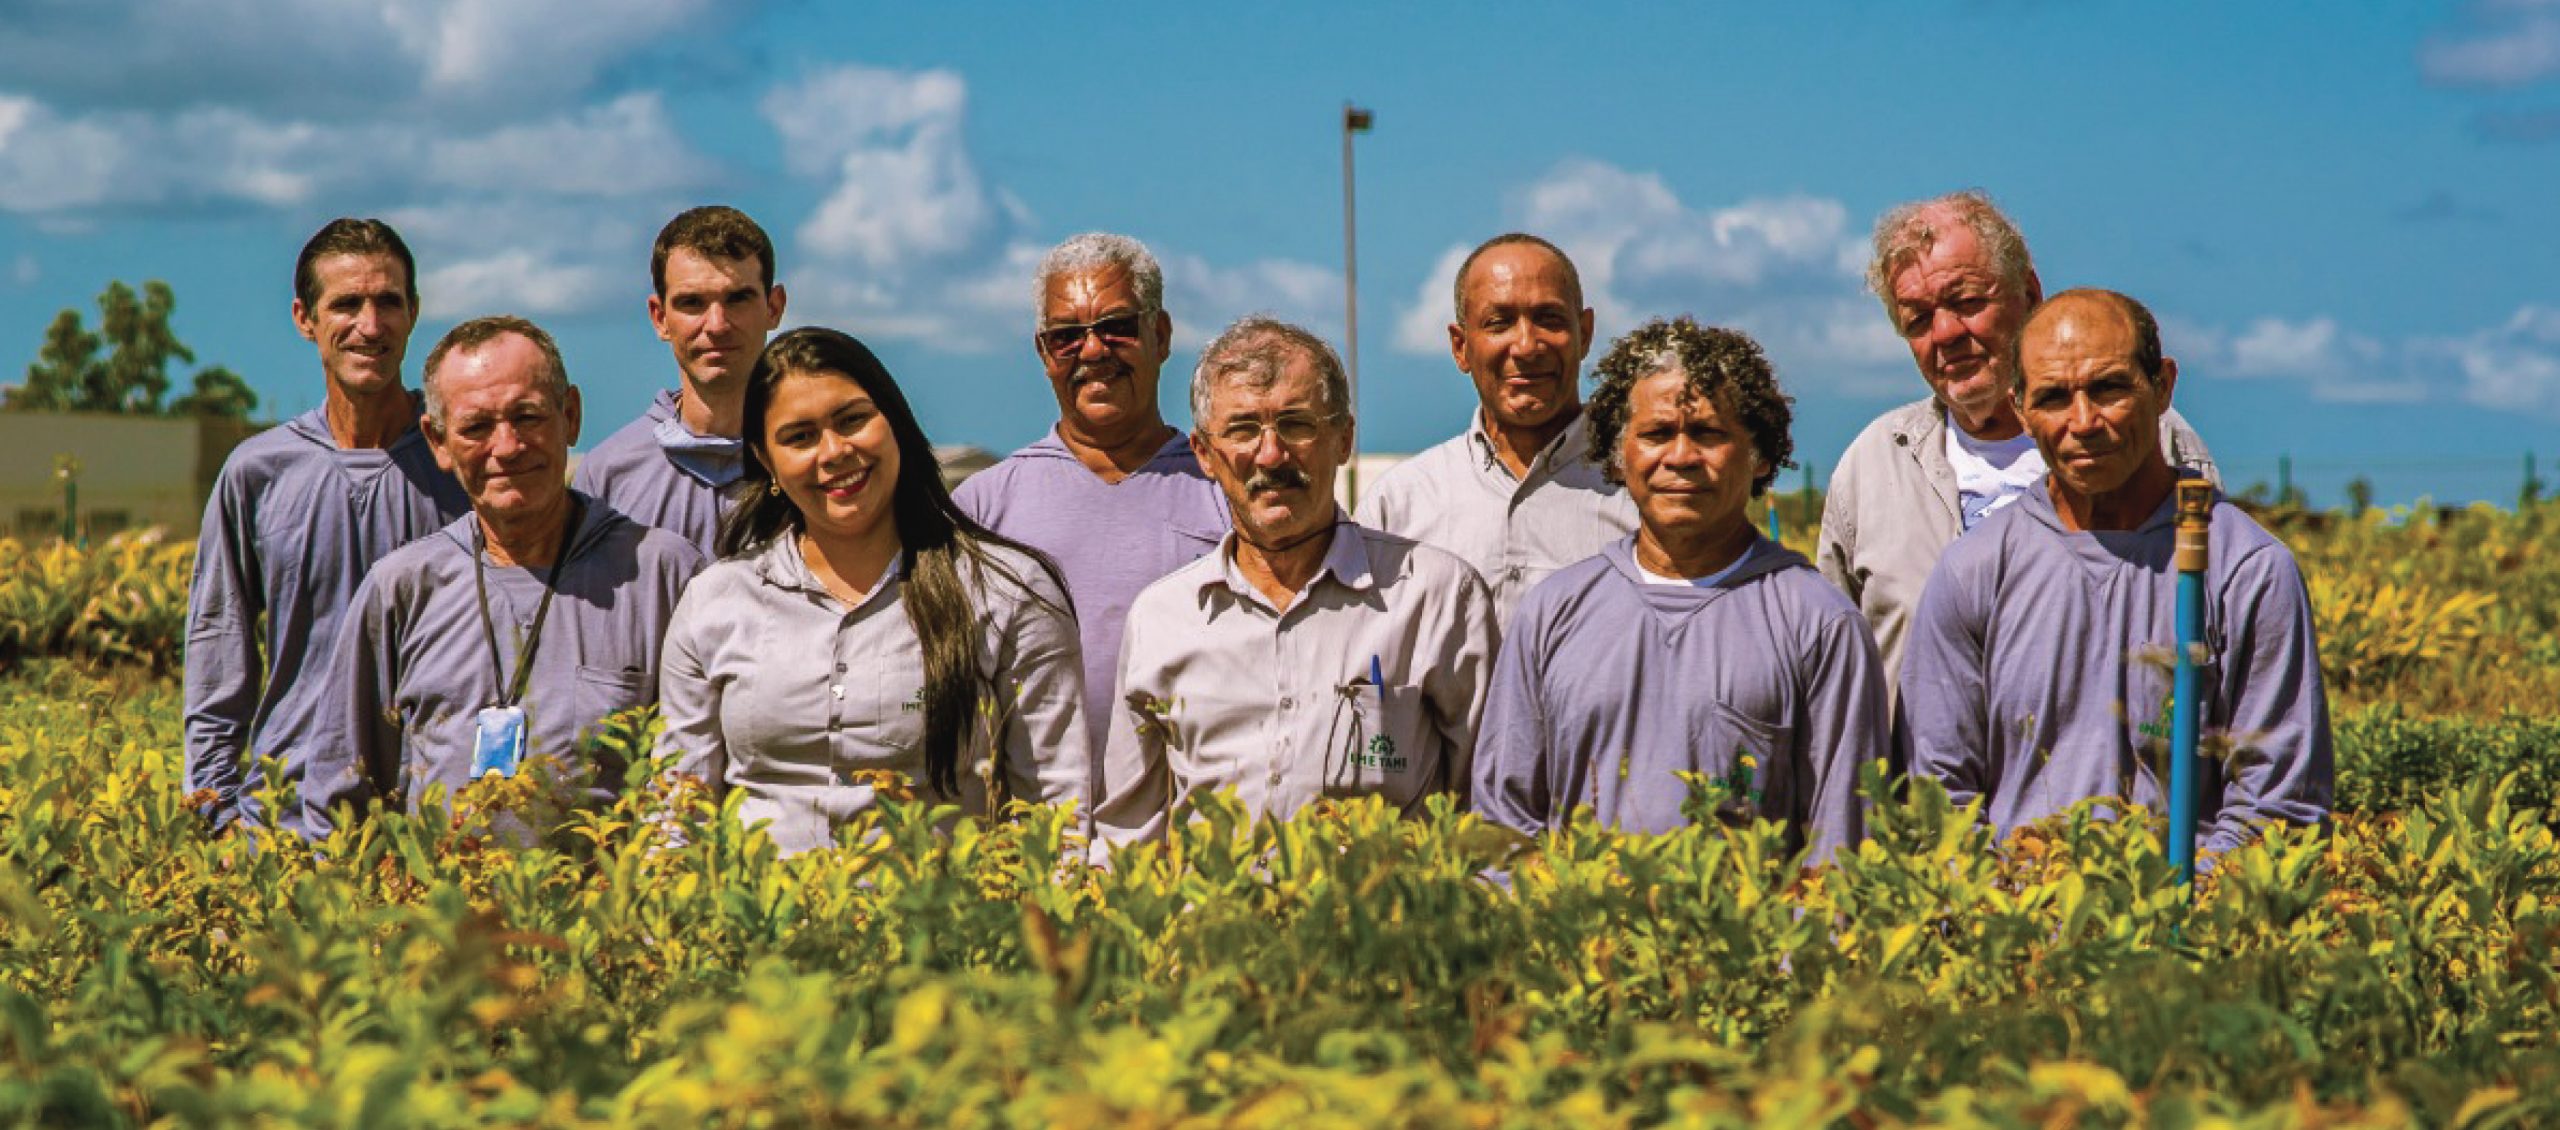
(133, 471)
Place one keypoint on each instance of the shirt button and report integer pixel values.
(1287, 702)
(836, 690)
(839, 668)
(1275, 780)
(832, 727)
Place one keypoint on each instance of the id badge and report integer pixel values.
(499, 745)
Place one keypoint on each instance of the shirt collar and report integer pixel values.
(1568, 446)
(715, 460)
(1346, 561)
(779, 564)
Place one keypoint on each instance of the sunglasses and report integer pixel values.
(1115, 331)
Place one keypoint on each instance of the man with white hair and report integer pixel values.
(1956, 280)
(1112, 494)
(497, 643)
(1306, 657)
(1516, 494)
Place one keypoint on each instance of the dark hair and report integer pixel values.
(934, 534)
(2146, 333)
(346, 236)
(713, 230)
(1572, 277)
(1722, 365)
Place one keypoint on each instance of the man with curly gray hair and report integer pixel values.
(1695, 645)
(1956, 281)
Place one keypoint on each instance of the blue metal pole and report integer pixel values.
(2195, 510)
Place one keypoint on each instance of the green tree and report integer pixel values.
(133, 375)
(219, 392)
(55, 381)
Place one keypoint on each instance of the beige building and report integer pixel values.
(131, 471)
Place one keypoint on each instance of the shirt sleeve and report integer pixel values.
(1136, 784)
(1835, 550)
(1844, 728)
(224, 674)
(1041, 678)
(1511, 759)
(1945, 687)
(1455, 686)
(2281, 764)
(689, 699)
(364, 760)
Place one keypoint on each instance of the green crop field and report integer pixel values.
(1344, 968)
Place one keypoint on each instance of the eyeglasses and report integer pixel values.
(1116, 330)
(1294, 430)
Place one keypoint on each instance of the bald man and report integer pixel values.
(1517, 495)
(2037, 673)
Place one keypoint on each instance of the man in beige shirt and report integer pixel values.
(1517, 495)
(1304, 657)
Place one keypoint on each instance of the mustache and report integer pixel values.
(1277, 478)
(1102, 370)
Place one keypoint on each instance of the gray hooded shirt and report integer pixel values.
(293, 524)
(1765, 682)
(2039, 671)
(415, 668)
(657, 472)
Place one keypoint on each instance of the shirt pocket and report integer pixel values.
(1744, 763)
(1374, 744)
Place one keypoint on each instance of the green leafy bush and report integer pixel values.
(1344, 968)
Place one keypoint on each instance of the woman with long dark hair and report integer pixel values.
(858, 621)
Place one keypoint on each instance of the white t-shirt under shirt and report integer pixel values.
(1991, 474)
(1706, 582)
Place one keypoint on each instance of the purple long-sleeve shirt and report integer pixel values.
(293, 524)
(2039, 671)
(659, 473)
(414, 668)
(1609, 685)
(1109, 540)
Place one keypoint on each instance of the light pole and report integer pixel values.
(1354, 120)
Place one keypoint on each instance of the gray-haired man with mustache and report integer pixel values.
(1112, 494)
(1307, 657)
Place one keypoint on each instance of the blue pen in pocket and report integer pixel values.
(1378, 679)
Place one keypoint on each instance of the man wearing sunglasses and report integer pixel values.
(1306, 657)
(1516, 494)
(1112, 494)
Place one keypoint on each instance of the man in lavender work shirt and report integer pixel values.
(541, 603)
(714, 302)
(1113, 495)
(2039, 668)
(297, 516)
(1695, 645)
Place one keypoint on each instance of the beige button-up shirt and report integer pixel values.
(1223, 689)
(1459, 496)
(774, 687)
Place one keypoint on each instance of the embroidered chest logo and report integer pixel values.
(914, 703)
(1380, 754)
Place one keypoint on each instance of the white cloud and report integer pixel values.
(2515, 366)
(24, 270)
(2519, 45)
(626, 147)
(520, 282)
(2274, 346)
(1422, 328)
(910, 242)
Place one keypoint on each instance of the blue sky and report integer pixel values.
(2341, 212)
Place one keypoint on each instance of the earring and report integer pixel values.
(773, 488)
